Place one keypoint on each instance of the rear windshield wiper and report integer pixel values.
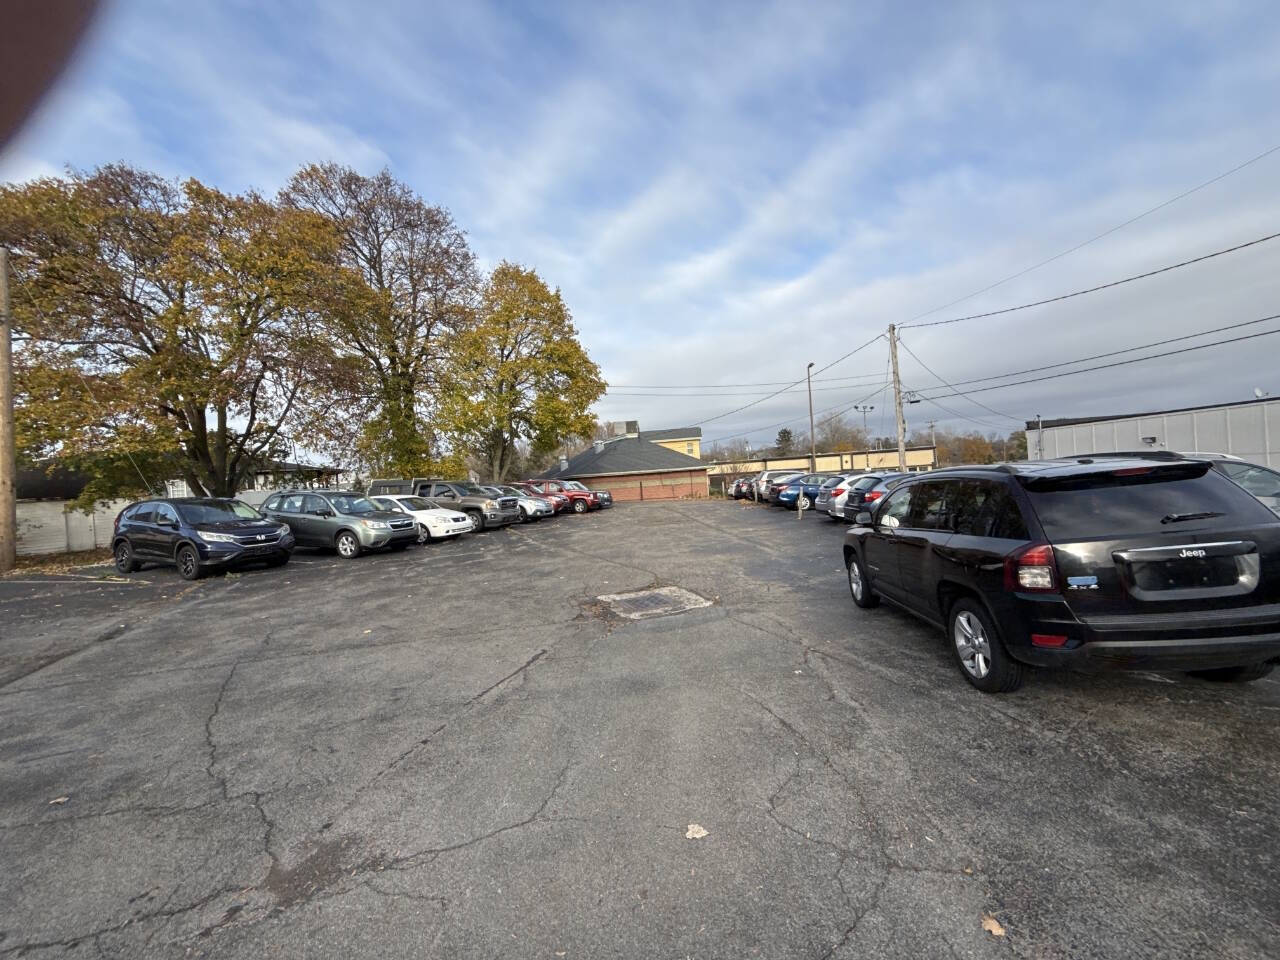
(1179, 517)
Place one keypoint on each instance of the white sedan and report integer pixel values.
(434, 522)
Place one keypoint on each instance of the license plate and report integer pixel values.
(1186, 574)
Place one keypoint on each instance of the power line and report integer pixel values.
(1102, 286)
(766, 383)
(961, 416)
(1105, 233)
(833, 411)
(952, 387)
(1121, 363)
(878, 336)
(784, 390)
(847, 386)
(1112, 353)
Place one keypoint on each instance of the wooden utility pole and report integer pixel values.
(897, 399)
(8, 464)
(813, 454)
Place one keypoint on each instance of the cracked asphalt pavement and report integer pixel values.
(459, 752)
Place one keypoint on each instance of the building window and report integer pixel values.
(688, 448)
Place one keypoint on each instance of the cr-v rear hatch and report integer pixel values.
(1168, 545)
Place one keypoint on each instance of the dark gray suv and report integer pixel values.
(346, 520)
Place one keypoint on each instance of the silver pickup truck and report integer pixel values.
(482, 507)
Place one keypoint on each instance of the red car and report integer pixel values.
(558, 500)
(580, 501)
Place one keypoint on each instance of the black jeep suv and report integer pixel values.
(196, 535)
(1151, 563)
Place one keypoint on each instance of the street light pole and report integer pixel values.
(813, 454)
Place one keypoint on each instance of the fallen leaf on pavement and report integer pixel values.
(368, 631)
(968, 871)
(59, 801)
(992, 925)
(695, 832)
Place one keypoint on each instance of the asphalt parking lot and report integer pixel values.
(461, 752)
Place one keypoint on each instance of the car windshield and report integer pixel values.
(866, 483)
(415, 503)
(831, 482)
(574, 485)
(349, 503)
(473, 488)
(511, 491)
(217, 511)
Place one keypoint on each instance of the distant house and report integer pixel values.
(277, 475)
(686, 440)
(633, 468)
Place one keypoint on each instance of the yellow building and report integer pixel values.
(686, 440)
(918, 458)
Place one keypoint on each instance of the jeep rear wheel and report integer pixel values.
(979, 650)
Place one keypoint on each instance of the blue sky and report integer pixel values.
(725, 192)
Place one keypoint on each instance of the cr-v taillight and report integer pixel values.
(838, 491)
(1031, 570)
(872, 495)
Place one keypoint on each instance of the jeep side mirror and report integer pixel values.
(863, 519)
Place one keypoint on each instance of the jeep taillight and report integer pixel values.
(1031, 570)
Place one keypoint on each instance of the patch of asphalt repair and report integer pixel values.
(461, 752)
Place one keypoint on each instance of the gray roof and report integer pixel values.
(675, 433)
(625, 455)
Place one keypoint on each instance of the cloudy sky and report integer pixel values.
(727, 192)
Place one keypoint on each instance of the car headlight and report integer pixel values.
(375, 524)
(491, 504)
(284, 531)
(208, 537)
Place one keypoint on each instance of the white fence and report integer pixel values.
(45, 526)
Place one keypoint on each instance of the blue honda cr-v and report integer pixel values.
(197, 535)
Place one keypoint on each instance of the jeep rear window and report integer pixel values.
(1119, 504)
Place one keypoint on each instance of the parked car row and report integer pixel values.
(202, 534)
(839, 495)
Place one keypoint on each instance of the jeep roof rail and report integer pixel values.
(1124, 455)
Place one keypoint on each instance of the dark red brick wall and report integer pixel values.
(674, 485)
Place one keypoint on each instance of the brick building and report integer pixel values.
(632, 468)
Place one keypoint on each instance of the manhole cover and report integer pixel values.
(658, 602)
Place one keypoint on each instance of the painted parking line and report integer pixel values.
(81, 583)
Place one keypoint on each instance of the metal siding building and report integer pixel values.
(1250, 430)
